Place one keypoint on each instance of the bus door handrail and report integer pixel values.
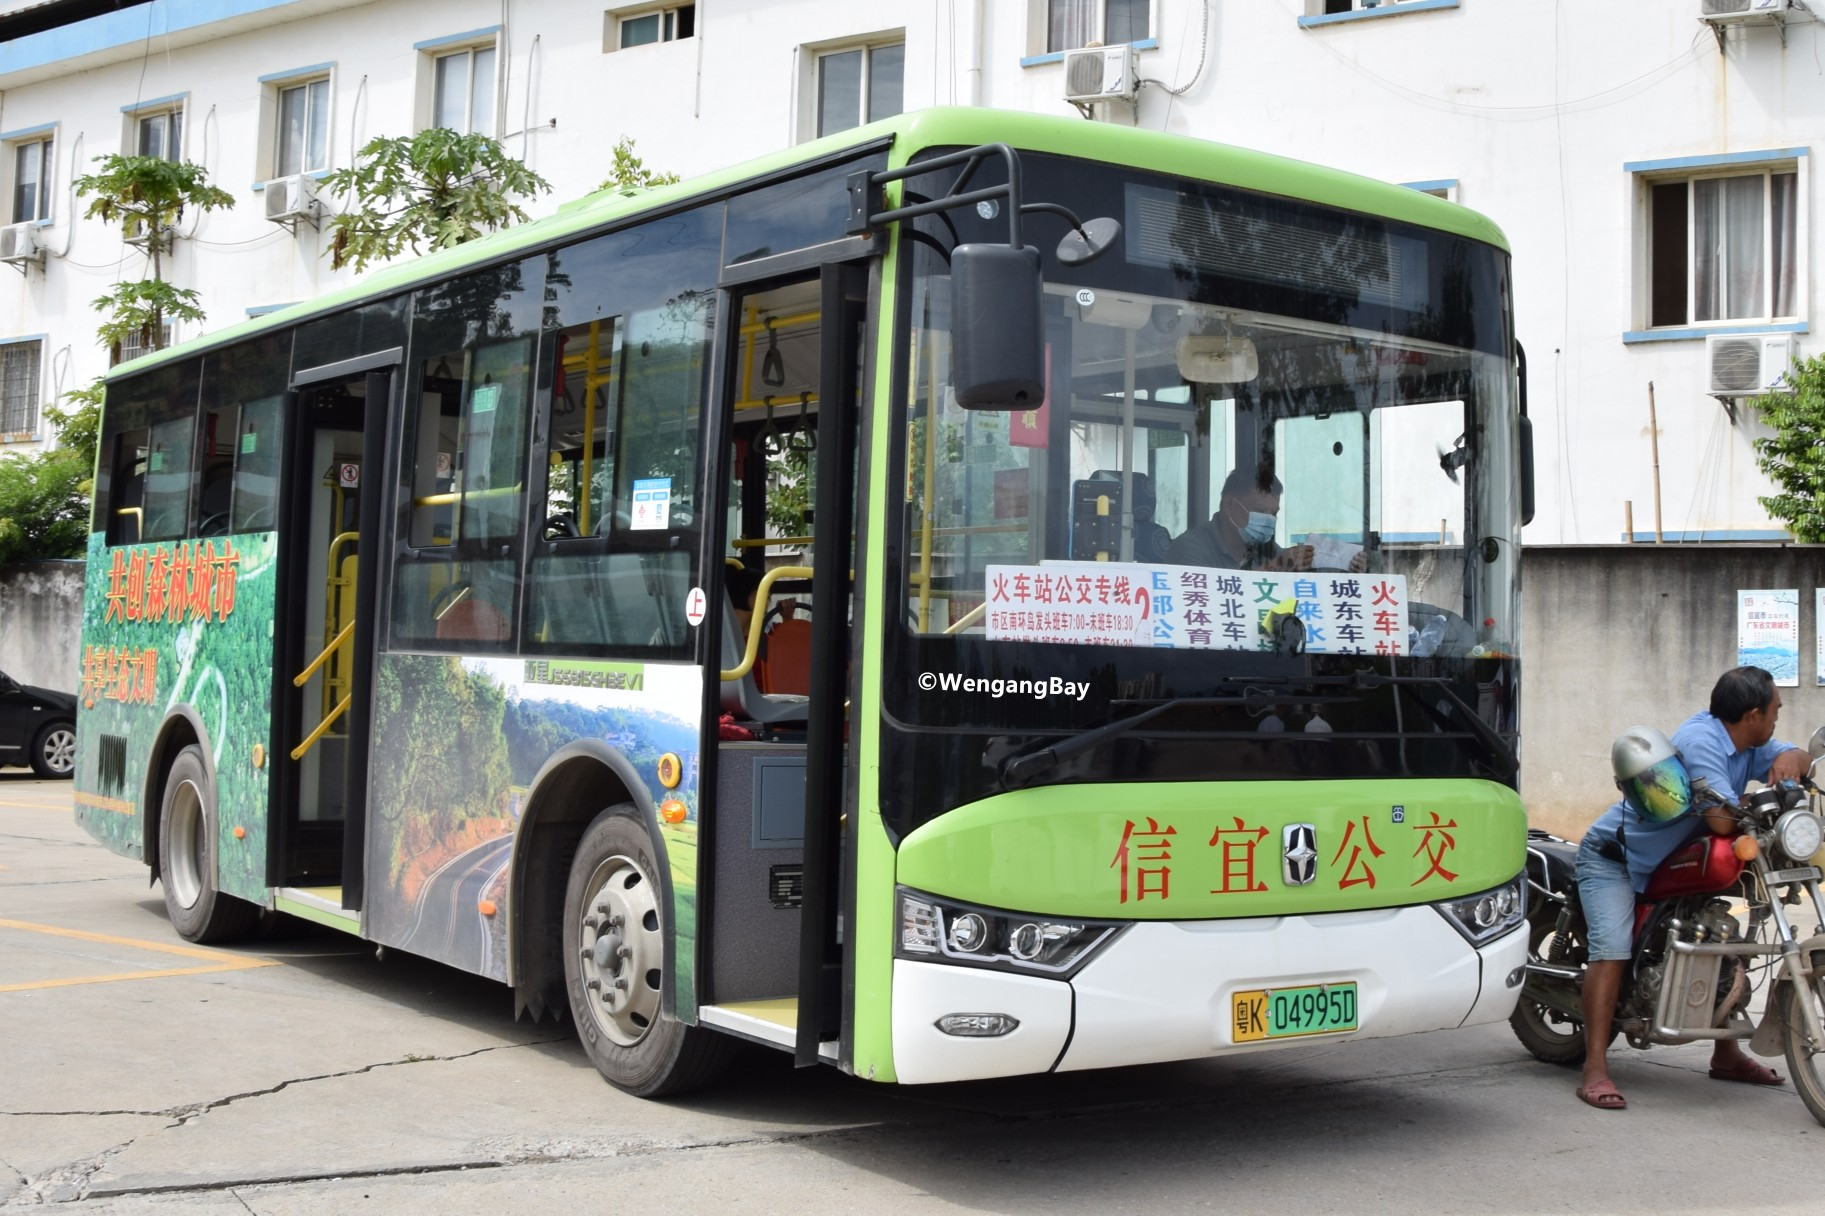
(297, 753)
(303, 677)
(752, 650)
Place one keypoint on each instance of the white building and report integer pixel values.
(1652, 171)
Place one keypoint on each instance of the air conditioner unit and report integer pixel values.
(1100, 73)
(1719, 12)
(293, 198)
(1748, 365)
(19, 243)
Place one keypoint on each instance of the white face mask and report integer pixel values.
(1259, 529)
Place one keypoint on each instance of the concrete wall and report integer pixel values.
(41, 623)
(1627, 634)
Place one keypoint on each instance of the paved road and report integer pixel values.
(302, 1075)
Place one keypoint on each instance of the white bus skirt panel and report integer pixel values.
(925, 992)
(1163, 990)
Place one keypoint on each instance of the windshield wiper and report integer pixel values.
(1506, 762)
(1022, 770)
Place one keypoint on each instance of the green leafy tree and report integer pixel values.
(427, 191)
(147, 196)
(43, 505)
(629, 172)
(44, 497)
(1793, 457)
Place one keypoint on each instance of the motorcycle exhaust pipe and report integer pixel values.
(1556, 971)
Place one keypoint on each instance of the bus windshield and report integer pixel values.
(1272, 489)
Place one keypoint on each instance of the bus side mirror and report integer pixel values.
(1527, 469)
(997, 327)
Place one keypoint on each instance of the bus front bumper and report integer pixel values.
(1164, 991)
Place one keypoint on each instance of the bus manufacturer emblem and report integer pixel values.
(1299, 849)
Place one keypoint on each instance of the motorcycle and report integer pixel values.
(1695, 965)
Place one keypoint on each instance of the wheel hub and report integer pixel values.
(621, 951)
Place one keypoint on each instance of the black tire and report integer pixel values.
(614, 960)
(1549, 1035)
(1806, 1064)
(54, 750)
(187, 827)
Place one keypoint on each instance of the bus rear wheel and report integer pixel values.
(199, 911)
(614, 965)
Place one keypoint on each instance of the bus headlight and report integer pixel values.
(939, 931)
(1487, 915)
(1799, 834)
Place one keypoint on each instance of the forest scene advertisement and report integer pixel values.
(458, 743)
(178, 627)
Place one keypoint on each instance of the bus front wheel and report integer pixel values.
(199, 911)
(614, 965)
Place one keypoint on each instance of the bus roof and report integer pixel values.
(904, 135)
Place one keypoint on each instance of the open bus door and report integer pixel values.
(324, 633)
(782, 796)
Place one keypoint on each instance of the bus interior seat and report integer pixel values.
(473, 620)
(743, 697)
(788, 661)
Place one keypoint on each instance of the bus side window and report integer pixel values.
(149, 455)
(127, 502)
(244, 396)
(614, 540)
(456, 576)
(256, 466)
(216, 485)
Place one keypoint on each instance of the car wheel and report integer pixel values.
(54, 750)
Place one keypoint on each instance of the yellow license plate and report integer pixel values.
(1284, 1013)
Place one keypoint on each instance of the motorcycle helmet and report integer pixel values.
(1650, 775)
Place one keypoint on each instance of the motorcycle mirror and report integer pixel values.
(1815, 747)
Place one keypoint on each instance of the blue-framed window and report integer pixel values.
(19, 387)
(1071, 24)
(30, 165)
(1721, 239)
(1331, 12)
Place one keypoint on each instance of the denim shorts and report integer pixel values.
(1609, 904)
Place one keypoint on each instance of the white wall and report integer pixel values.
(1531, 106)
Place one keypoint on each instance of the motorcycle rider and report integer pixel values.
(1727, 745)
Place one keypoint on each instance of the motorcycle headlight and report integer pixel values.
(1799, 834)
(1487, 915)
(939, 931)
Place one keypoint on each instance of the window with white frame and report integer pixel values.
(301, 138)
(1722, 246)
(1071, 24)
(625, 28)
(31, 179)
(19, 389)
(462, 89)
(859, 84)
(160, 133)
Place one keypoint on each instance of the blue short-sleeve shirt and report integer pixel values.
(1705, 748)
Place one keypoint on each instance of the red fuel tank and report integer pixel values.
(1704, 864)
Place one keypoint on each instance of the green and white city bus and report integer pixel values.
(409, 609)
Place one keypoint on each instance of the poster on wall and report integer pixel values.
(1768, 634)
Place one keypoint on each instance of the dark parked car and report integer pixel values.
(37, 727)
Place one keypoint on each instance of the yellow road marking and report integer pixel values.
(217, 961)
(33, 806)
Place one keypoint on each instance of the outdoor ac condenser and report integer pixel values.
(293, 198)
(1748, 365)
(1719, 12)
(19, 243)
(1100, 73)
